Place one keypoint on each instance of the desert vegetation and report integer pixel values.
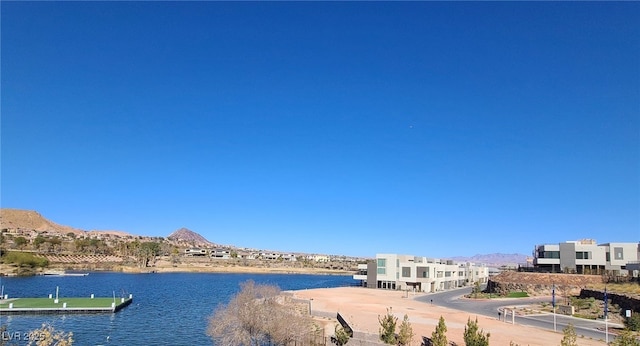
(259, 315)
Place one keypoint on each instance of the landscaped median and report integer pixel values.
(62, 305)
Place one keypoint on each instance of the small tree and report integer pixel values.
(569, 336)
(20, 242)
(626, 338)
(342, 337)
(473, 336)
(405, 334)
(388, 327)
(633, 322)
(439, 336)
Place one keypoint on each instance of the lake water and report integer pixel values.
(167, 309)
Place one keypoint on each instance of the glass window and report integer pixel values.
(382, 262)
(382, 271)
(617, 253)
(406, 272)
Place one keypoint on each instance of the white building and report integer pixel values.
(586, 257)
(421, 274)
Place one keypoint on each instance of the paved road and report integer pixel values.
(451, 299)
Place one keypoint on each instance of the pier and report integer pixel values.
(24, 306)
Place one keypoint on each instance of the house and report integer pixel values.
(421, 274)
(220, 254)
(195, 252)
(586, 257)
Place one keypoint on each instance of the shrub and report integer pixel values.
(388, 327)
(24, 259)
(473, 336)
(439, 336)
(569, 337)
(633, 322)
(405, 332)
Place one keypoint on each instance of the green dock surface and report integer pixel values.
(64, 305)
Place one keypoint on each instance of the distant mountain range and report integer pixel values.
(32, 220)
(496, 259)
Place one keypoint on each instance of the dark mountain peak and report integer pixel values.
(188, 236)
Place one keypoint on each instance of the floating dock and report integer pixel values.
(35, 306)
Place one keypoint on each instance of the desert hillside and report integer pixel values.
(32, 220)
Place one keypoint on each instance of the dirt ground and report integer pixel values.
(361, 307)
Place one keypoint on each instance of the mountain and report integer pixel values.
(31, 220)
(184, 235)
(495, 259)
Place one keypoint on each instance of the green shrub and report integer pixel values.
(633, 322)
(24, 259)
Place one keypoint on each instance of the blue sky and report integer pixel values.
(430, 128)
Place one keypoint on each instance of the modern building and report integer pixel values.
(420, 274)
(195, 252)
(586, 257)
(220, 253)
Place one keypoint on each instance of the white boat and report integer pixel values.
(62, 273)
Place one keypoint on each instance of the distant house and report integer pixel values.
(220, 254)
(247, 255)
(269, 255)
(288, 257)
(195, 252)
(319, 258)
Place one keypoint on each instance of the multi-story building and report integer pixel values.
(586, 257)
(421, 274)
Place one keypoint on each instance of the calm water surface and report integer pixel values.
(167, 309)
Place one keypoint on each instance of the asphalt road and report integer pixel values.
(452, 300)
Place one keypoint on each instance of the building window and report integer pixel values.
(583, 255)
(406, 272)
(422, 272)
(617, 253)
(447, 274)
(382, 262)
(608, 256)
(382, 271)
(549, 254)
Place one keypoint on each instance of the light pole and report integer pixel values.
(310, 300)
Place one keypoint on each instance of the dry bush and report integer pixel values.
(258, 315)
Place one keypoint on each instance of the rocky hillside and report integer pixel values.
(187, 236)
(536, 284)
(31, 220)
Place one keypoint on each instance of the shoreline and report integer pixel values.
(8, 270)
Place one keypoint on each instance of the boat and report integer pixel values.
(62, 273)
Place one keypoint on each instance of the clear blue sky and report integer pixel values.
(430, 128)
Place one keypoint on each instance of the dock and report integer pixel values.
(36, 306)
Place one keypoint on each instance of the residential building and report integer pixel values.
(586, 257)
(195, 252)
(420, 274)
(220, 253)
